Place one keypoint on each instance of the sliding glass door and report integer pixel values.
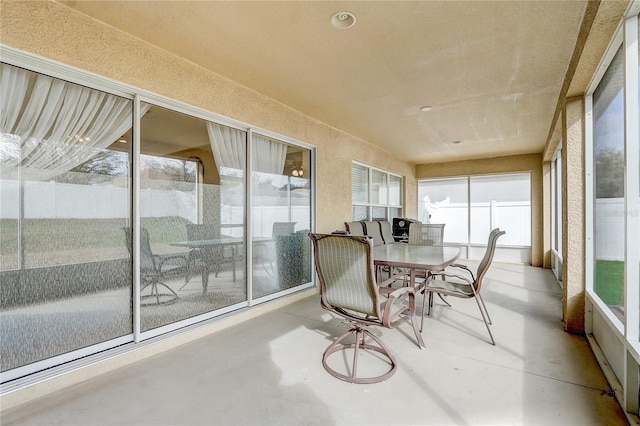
(281, 216)
(112, 233)
(65, 197)
(191, 216)
(472, 206)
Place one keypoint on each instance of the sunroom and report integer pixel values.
(159, 180)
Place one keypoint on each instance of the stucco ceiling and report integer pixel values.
(491, 71)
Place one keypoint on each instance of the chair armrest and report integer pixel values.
(445, 275)
(166, 257)
(387, 318)
(465, 268)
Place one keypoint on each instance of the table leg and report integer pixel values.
(205, 278)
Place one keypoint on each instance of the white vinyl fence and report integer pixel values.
(53, 200)
(609, 229)
(513, 217)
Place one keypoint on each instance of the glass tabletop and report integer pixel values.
(415, 256)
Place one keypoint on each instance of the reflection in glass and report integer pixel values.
(64, 196)
(281, 216)
(192, 209)
(608, 141)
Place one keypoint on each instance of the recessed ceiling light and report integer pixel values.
(343, 20)
(425, 108)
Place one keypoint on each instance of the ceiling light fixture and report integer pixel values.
(297, 172)
(425, 108)
(343, 20)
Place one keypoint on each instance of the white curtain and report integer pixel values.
(228, 146)
(54, 125)
(268, 155)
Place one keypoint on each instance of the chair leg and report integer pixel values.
(443, 299)
(485, 308)
(424, 306)
(484, 318)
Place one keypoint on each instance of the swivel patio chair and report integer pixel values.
(154, 269)
(345, 268)
(463, 284)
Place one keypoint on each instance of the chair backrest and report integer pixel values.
(345, 268)
(372, 229)
(387, 233)
(426, 234)
(483, 267)
(355, 228)
(201, 231)
(283, 228)
(147, 260)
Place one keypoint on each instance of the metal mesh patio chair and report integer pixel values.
(345, 270)
(426, 234)
(154, 269)
(354, 228)
(386, 231)
(463, 283)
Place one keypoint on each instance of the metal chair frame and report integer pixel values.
(382, 312)
(470, 285)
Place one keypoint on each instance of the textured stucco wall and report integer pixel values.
(53, 31)
(531, 163)
(573, 216)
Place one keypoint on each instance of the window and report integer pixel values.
(65, 194)
(613, 192)
(556, 214)
(446, 201)
(191, 190)
(375, 194)
(609, 168)
(472, 206)
(281, 216)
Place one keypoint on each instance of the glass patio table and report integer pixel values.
(415, 257)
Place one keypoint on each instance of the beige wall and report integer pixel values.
(573, 215)
(531, 163)
(54, 31)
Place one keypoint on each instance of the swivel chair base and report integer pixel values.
(337, 346)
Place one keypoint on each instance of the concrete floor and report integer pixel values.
(268, 371)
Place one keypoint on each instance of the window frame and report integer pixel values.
(629, 328)
(369, 205)
(556, 213)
